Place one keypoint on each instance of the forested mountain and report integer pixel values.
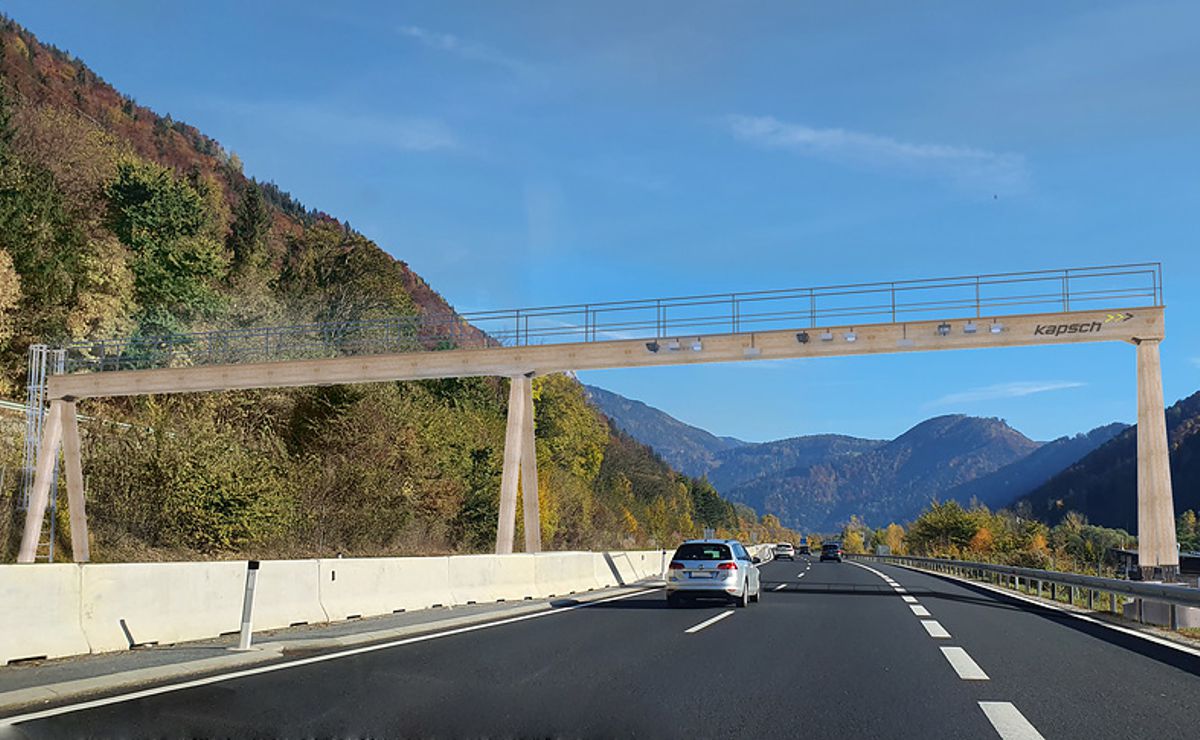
(1103, 485)
(768, 460)
(818, 482)
(892, 482)
(115, 220)
(688, 449)
(1017, 479)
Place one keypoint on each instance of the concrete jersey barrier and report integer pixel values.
(39, 612)
(563, 573)
(482, 579)
(287, 593)
(59, 610)
(123, 605)
(649, 564)
(365, 587)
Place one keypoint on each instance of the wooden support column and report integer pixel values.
(40, 495)
(72, 458)
(1156, 507)
(529, 474)
(506, 527)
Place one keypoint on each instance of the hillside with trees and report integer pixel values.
(1019, 478)
(1103, 485)
(117, 221)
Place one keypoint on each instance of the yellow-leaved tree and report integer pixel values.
(853, 542)
(893, 538)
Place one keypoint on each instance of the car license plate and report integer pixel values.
(701, 575)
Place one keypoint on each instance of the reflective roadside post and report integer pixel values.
(248, 604)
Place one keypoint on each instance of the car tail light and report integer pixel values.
(675, 565)
(727, 566)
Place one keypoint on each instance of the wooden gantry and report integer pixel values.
(1142, 327)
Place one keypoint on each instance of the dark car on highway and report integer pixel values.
(831, 551)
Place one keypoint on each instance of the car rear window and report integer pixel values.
(702, 551)
(831, 547)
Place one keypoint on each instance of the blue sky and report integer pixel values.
(540, 153)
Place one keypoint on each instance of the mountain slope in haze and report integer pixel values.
(1103, 485)
(892, 482)
(1000, 488)
(690, 450)
(746, 463)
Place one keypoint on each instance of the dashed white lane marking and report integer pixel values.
(966, 668)
(780, 587)
(899, 589)
(801, 575)
(1016, 596)
(934, 628)
(909, 599)
(708, 622)
(1010, 724)
(919, 610)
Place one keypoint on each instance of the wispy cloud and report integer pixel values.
(397, 132)
(331, 121)
(459, 47)
(971, 167)
(1016, 389)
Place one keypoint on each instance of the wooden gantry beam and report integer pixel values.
(1073, 327)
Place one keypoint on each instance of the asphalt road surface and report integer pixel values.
(833, 650)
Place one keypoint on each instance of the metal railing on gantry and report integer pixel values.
(972, 296)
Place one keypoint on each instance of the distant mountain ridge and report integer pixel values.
(817, 482)
(892, 482)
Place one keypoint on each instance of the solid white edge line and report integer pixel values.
(142, 694)
(1010, 724)
(708, 622)
(935, 628)
(919, 610)
(1058, 607)
(966, 668)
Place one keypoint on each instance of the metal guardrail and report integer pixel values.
(1172, 594)
(970, 296)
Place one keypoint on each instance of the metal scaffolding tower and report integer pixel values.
(43, 362)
